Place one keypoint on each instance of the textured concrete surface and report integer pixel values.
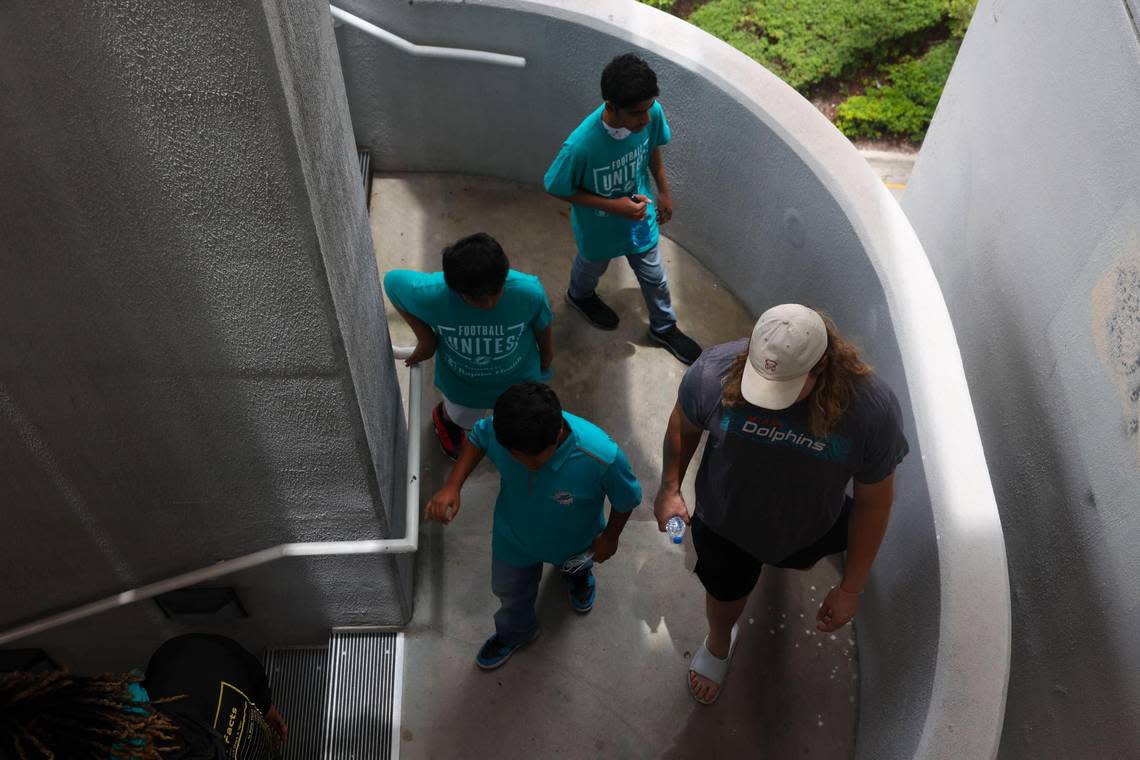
(292, 602)
(779, 206)
(610, 684)
(192, 343)
(1032, 226)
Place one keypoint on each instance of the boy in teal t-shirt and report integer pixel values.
(603, 171)
(556, 472)
(490, 324)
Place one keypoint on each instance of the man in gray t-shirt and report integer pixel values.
(793, 415)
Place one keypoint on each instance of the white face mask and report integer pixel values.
(618, 133)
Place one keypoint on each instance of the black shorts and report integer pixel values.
(729, 573)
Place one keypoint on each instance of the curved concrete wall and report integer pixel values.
(192, 343)
(1027, 198)
(781, 207)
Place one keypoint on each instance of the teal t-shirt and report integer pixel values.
(593, 161)
(480, 353)
(139, 697)
(551, 514)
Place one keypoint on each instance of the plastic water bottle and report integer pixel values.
(641, 232)
(675, 528)
(575, 563)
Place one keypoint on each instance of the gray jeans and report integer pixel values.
(517, 588)
(584, 276)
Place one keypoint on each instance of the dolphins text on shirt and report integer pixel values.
(779, 432)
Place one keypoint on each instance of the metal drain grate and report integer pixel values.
(365, 687)
(298, 678)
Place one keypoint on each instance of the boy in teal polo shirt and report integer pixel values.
(490, 324)
(603, 171)
(556, 471)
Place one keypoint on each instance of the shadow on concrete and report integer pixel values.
(1053, 564)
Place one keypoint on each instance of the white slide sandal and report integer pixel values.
(713, 668)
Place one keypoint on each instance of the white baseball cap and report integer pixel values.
(787, 341)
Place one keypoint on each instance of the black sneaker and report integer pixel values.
(449, 434)
(495, 652)
(595, 310)
(679, 344)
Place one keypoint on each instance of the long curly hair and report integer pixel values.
(61, 716)
(837, 374)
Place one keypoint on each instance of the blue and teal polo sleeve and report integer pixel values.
(621, 485)
(482, 434)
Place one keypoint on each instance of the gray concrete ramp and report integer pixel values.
(610, 684)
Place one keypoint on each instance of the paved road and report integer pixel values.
(893, 168)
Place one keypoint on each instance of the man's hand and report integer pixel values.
(837, 609)
(664, 207)
(669, 503)
(634, 207)
(277, 723)
(425, 349)
(605, 546)
(444, 506)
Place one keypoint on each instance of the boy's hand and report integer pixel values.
(277, 722)
(631, 208)
(604, 547)
(425, 349)
(444, 506)
(664, 207)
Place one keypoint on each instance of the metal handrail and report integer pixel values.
(427, 51)
(405, 545)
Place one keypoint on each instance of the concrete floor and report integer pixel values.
(610, 684)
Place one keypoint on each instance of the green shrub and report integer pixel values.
(806, 42)
(960, 12)
(906, 103)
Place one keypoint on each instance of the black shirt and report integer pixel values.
(218, 695)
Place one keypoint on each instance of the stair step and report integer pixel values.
(366, 679)
(342, 702)
(298, 678)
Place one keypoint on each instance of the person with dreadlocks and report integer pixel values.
(793, 416)
(60, 716)
(204, 697)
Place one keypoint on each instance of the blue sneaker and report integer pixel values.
(582, 593)
(495, 652)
